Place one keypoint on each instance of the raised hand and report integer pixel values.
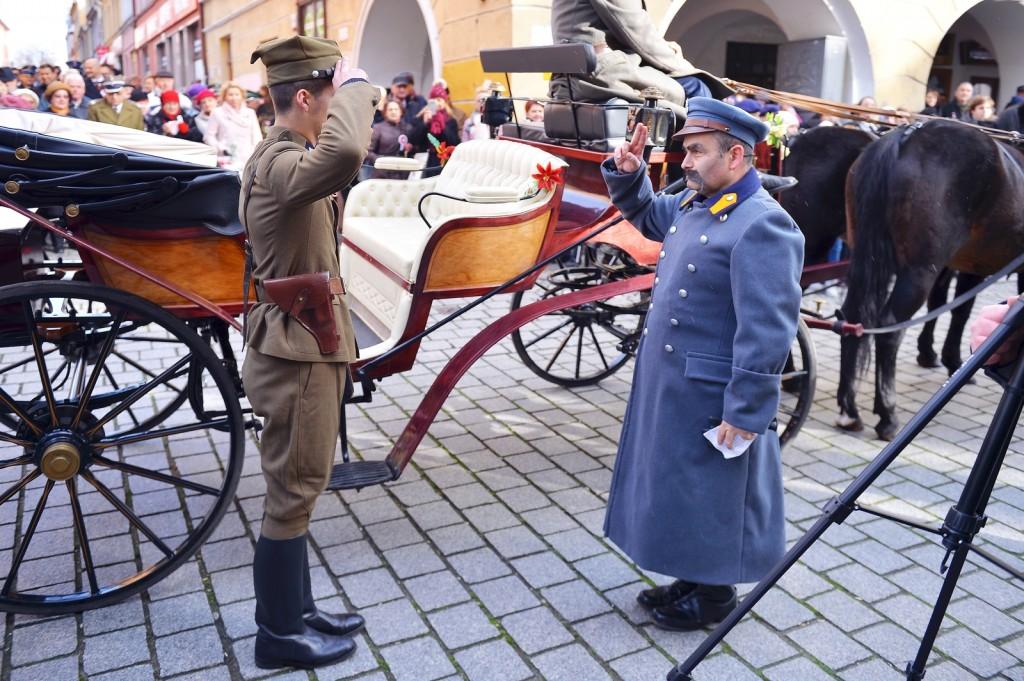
(343, 73)
(629, 155)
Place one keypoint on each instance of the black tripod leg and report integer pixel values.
(838, 508)
(967, 517)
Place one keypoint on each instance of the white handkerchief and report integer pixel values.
(727, 451)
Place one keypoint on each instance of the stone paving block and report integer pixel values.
(114, 650)
(801, 583)
(233, 585)
(490, 517)
(462, 625)
(606, 571)
(624, 598)
(455, 538)
(239, 619)
(467, 496)
(436, 590)
(450, 476)
(873, 670)
(57, 668)
(504, 477)
(334, 531)
(829, 644)
(576, 544)
(536, 630)
(189, 650)
(890, 642)
(758, 644)
(862, 583)
(420, 659)
(549, 520)
(185, 579)
(876, 556)
(493, 661)
(576, 600)
(949, 671)
(553, 479)
(479, 565)
(413, 560)
(393, 621)
(513, 542)
(610, 636)
(570, 663)
(975, 653)
(505, 595)
(642, 666)
(798, 669)
(543, 569)
(61, 636)
(394, 533)
(179, 613)
(120, 616)
(525, 498)
(414, 493)
(370, 587)
(227, 554)
(782, 611)
(844, 611)
(145, 671)
(983, 619)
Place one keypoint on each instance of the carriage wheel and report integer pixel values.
(101, 507)
(798, 380)
(585, 344)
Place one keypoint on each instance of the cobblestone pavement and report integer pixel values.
(486, 561)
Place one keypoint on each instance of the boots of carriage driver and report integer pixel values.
(290, 631)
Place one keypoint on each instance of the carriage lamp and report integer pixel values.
(659, 120)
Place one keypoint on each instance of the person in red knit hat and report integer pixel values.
(170, 120)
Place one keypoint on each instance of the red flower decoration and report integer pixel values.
(444, 152)
(548, 177)
(182, 128)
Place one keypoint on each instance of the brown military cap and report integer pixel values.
(296, 58)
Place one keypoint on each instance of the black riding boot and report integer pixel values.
(283, 639)
(338, 625)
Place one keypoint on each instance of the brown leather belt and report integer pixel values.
(704, 123)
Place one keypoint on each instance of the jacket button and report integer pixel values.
(669, 348)
(662, 254)
(672, 229)
(703, 238)
(683, 293)
(645, 330)
(674, 322)
(724, 217)
(657, 279)
(691, 267)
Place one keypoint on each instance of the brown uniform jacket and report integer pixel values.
(130, 116)
(291, 217)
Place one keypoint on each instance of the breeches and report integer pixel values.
(300, 405)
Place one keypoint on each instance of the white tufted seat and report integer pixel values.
(382, 224)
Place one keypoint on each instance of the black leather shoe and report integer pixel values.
(337, 625)
(699, 608)
(283, 639)
(661, 596)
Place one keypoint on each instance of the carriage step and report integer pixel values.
(359, 474)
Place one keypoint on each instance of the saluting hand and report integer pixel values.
(344, 73)
(629, 155)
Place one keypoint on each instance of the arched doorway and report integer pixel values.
(809, 46)
(391, 38)
(983, 47)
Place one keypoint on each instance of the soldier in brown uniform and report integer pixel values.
(293, 377)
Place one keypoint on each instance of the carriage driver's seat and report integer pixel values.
(401, 240)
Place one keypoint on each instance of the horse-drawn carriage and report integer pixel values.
(122, 420)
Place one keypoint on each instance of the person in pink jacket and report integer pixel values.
(233, 129)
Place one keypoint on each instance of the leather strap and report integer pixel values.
(705, 123)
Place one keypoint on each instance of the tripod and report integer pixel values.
(962, 523)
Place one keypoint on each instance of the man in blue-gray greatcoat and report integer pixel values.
(723, 315)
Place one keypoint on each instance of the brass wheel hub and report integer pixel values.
(60, 461)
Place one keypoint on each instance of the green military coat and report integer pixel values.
(130, 116)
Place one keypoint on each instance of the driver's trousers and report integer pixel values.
(300, 404)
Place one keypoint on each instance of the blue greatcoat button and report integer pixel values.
(669, 348)
(674, 322)
(703, 238)
(691, 267)
(672, 229)
(683, 293)
(662, 254)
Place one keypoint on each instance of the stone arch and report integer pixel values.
(708, 25)
(382, 56)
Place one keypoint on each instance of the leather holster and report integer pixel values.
(309, 300)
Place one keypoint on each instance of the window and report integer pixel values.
(752, 63)
(312, 19)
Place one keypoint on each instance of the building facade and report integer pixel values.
(839, 49)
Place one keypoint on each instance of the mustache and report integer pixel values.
(692, 176)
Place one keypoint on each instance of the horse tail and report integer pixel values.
(869, 198)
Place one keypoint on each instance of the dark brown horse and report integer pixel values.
(920, 199)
